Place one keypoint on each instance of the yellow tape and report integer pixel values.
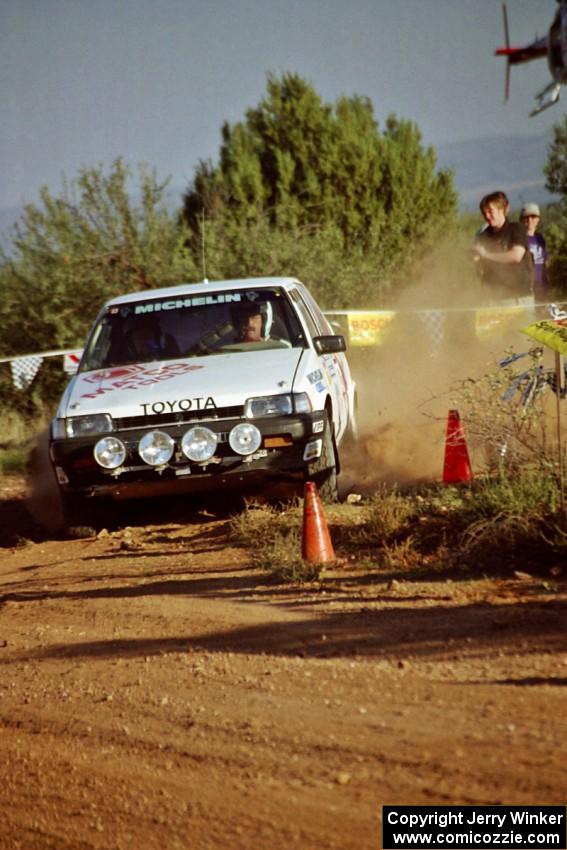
(491, 321)
(372, 327)
(368, 328)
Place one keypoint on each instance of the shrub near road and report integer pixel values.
(497, 526)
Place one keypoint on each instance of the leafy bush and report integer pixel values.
(19, 435)
(13, 461)
(514, 521)
(71, 253)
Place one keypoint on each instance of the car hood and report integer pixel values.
(190, 384)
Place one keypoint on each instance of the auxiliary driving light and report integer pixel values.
(156, 448)
(245, 439)
(109, 452)
(199, 444)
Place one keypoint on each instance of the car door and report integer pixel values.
(334, 365)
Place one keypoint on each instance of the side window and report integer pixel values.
(305, 313)
(320, 318)
(96, 349)
(285, 325)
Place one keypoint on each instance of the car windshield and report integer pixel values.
(192, 326)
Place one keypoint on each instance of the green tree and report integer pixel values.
(297, 166)
(555, 170)
(71, 253)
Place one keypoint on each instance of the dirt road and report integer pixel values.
(157, 692)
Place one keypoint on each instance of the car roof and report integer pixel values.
(206, 287)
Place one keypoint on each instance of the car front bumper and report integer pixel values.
(281, 453)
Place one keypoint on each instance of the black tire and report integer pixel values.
(323, 471)
(80, 512)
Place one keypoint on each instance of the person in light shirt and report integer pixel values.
(530, 217)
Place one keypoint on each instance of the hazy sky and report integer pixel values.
(85, 81)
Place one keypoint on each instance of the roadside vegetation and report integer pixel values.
(510, 518)
(18, 437)
(13, 460)
(493, 526)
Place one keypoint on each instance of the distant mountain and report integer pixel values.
(511, 163)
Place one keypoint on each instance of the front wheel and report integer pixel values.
(323, 470)
(80, 512)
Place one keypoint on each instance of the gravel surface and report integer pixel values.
(156, 691)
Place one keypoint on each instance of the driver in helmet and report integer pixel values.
(252, 321)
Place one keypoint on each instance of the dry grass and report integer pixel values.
(18, 436)
(497, 524)
(273, 536)
(13, 461)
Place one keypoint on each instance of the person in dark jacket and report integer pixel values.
(501, 251)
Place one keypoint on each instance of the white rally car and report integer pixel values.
(204, 386)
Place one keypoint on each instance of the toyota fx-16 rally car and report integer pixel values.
(203, 386)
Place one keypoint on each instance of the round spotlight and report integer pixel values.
(156, 448)
(245, 439)
(199, 444)
(109, 452)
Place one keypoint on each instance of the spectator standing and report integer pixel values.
(530, 217)
(501, 251)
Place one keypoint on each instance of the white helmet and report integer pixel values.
(240, 312)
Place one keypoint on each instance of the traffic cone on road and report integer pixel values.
(316, 545)
(457, 466)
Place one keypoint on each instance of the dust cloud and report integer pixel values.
(44, 499)
(437, 339)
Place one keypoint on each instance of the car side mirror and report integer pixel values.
(329, 344)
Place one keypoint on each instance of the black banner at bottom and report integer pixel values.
(480, 827)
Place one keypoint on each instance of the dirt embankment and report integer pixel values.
(158, 692)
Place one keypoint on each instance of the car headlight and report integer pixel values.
(199, 444)
(245, 438)
(302, 403)
(277, 405)
(110, 452)
(156, 448)
(82, 426)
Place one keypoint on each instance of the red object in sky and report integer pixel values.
(553, 46)
(457, 466)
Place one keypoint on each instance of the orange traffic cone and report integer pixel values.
(457, 466)
(316, 545)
